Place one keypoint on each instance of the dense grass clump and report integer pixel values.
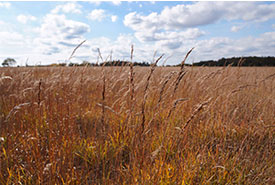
(137, 125)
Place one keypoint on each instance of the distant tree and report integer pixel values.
(85, 63)
(72, 64)
(62, 64)
(8, 62)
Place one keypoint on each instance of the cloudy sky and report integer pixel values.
(47, 32)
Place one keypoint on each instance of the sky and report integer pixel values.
(37, 32)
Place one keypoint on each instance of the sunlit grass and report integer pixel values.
(215, 127)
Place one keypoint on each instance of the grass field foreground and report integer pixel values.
(137, 125)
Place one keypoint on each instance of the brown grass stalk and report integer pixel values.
(72, 54)
(153, 66)
(39, 93)
(181, 72)
(196, 111)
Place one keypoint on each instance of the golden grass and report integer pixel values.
(78, 125)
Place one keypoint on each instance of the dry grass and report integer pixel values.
(77, 125)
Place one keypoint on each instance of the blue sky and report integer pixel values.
(47, 32)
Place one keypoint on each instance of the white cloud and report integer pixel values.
(97, 15)
(114, 18)
(100, 14)
(173, 31)
(58, 25)
(25, 18)
(236, 28)
(177, 36)
(201, 13)
(249, 46)
(148, 29)
(56, 48)
(15, 41)
(11, 38)
(68, 8)
(175, 26)
(59, 33)
(117, 3)
(4, 5)
(142, 52)
(207, 49)
(3, 25)
(250, 11)
(273, 26)
(97, 3)
(139, 22)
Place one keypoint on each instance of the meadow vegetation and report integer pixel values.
(137, 125)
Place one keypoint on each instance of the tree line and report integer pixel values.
(239, 61)
(234, 61)
(111, 63)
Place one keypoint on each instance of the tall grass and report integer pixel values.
(192, 125)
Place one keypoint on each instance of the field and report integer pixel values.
(140, 125)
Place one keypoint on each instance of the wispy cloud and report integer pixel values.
(236, 28)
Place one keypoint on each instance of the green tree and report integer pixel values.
(8, 62)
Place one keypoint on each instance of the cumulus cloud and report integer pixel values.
(68, 8)
(2, 23)
(177, 36)
(142, 52)
(200, 13)
(100, 14)
(206, 49)
(58, 32)
(6, 26)
(54, 40)
(117, 3)
(176, 26)
(55, 48)
(97, 3)
(219, 47)
(114, 18)
(97, 15)
(173, 31)
(137, 21)
(11, 38)
(25, 18)
(59, 25)
(15, 41)
(148, 29)
(4, 5)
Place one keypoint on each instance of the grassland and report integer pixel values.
(123, 125)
